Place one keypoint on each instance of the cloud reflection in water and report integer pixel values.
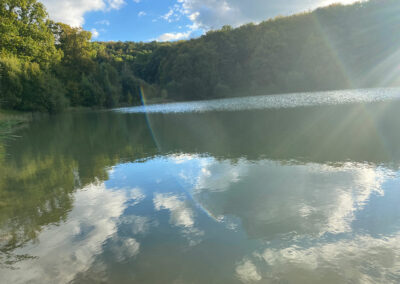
(69, 248)
(274, 219)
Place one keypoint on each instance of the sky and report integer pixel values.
(168, 20)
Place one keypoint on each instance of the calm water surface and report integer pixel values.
(280, 189)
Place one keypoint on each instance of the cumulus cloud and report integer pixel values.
(174, 36)
(212, 14)
(72, 11)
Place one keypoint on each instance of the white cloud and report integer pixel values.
(174, 13)
(95, 33)
(168, 15)
(142, 13)
(72, 11)
(212, 14)
(115, 4)
(174, 36)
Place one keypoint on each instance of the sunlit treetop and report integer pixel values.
(25, 31)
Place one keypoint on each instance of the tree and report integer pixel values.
(25, 32)
(77, 49)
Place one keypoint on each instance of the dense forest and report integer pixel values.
(48, 66)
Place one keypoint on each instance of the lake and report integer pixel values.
(300, 188)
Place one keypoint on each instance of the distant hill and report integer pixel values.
(330, 48)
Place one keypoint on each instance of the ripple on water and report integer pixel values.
(273, 101)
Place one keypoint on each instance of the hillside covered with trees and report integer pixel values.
(48, 66)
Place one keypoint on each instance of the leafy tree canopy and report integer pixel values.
(48, 66)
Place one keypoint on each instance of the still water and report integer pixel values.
(282, 189)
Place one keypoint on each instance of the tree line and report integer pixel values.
(48, 66)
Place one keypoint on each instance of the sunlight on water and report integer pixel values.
(304, 194)
(273, 101)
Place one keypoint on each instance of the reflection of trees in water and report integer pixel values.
(32, 196)
(52, 159)
(322, 134)
(56, 156)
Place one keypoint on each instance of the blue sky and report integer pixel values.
(165, 20)
(141, 21)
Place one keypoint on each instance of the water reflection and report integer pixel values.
(294, 100)
(363, 259)
(63, 250)
(300, 195)
(181, 215)
(273, 198)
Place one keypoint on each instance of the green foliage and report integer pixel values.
(47, 66)
(49, 165)
(331, 48)
(25, 32)
(25, 86)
